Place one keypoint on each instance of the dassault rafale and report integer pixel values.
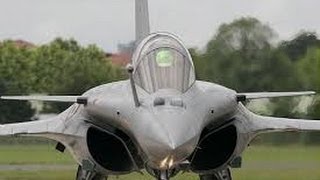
(161, 120)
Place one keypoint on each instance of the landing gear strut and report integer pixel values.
(221, 175)
(88, 175)
(163, 175)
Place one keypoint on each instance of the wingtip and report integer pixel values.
(313, 93)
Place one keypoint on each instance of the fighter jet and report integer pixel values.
(161, 120)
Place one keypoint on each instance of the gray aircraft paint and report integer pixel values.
(167, 127)
(142, 19)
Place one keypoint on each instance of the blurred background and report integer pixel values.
(68, 47)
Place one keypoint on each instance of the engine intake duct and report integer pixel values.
(214, 149)
(109, 150)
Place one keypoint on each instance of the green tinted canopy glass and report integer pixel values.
(164, 58)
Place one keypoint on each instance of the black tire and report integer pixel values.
(222, 175)
(81, 175)
(209, 177)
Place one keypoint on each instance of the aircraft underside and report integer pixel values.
(116, 153)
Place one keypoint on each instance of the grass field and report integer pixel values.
(259, 163)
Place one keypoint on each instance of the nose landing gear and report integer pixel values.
(163, 175)
(224, 174)
(88, 175)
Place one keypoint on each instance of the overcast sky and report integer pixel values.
(109, 22)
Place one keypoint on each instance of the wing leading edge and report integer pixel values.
(260, 95)
(53, 128)
(55, 125)
(29, 128)
(66, 99)
(257, 124)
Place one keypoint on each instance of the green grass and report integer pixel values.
(32, 154)
(36, 175)
(293, 153)
(280, 163)
(259, 163)
(274, 174)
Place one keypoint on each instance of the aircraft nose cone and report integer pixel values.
(168, 139)
(165, 155)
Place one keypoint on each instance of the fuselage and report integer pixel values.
(177, 118)
(166, 128)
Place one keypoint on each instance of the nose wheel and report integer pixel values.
(87, 175)
(221, 175)
(163, 175)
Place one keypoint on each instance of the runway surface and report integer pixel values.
(36, 167)
(250, 165)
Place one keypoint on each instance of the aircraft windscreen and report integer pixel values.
(164, 64)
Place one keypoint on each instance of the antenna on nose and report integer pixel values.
(142, 19)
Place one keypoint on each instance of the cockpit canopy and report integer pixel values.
(162, 62)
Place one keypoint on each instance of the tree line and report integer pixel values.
(244, 55)
(62, 67)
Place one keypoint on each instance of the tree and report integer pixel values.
(64, 67)
(309, 74)
(13, 81)
(244, 34)
(298, 47)
(241, 56)
(60, 67)
(308, 68)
